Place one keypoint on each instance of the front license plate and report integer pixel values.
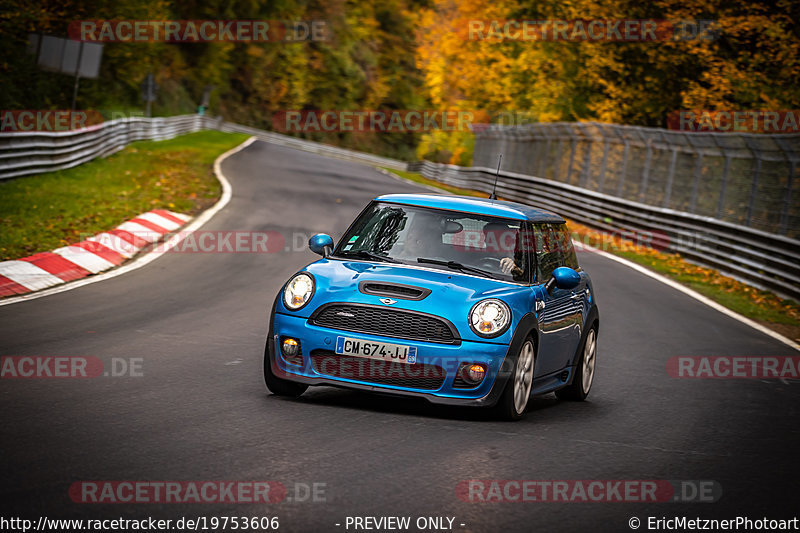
(396, 353)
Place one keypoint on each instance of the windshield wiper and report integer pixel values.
(364, 254)
(455, 265)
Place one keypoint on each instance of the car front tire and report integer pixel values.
(578, 390)
(514, 400)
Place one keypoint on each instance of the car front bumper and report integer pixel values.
(327, 368)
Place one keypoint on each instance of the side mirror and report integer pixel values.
(321, 244)
(563, 278)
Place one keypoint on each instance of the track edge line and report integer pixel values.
(154, 254)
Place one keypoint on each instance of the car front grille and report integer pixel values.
(396, 323)
(413, 376)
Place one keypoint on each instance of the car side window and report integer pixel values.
(547, 253)
(553, 247)
(568, 257)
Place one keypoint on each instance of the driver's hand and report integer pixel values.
(507, 265)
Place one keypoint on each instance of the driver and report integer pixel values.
(501, 239)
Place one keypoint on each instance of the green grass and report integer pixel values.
(46, 211)
(741, 302)
(762, 306)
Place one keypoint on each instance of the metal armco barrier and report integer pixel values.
(25, 153)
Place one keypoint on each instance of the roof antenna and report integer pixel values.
(493, 196)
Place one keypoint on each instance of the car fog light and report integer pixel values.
(290, 347)
(476, 373)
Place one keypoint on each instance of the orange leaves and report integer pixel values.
(746, 57)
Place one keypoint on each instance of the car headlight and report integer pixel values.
(298, 291)
(489, 318)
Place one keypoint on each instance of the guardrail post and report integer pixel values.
(724, 186)
(751, 202)
(603, 165)
(529, 149)
(536, 151)
(790, 152)
(698, 170)
(543, 160)
(557, 163)
(787, 200)
(477, 152)
(516, 150)
(670, 177)
(572, 148)
(587, 161)
(624, 168)
(646, 172)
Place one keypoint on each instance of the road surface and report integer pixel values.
(200, 410)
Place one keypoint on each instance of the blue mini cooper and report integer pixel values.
(458, 300)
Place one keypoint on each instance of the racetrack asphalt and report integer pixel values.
(200, 410)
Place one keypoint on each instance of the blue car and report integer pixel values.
(458, 300)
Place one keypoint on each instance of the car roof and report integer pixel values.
(472, 204)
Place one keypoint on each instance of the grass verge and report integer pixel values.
(763, 307)
(42, 212)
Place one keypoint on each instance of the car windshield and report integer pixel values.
(474, 244)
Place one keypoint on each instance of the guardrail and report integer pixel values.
(762, 259)
(34, 152)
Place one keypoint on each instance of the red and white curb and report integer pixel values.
(96, 254)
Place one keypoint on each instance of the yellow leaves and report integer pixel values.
(457, 154)
(753, 65)
(255, 51)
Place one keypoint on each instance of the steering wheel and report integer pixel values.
(490, 263)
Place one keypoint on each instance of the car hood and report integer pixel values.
(452, 294)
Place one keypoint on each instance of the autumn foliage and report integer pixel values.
(407, 55)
